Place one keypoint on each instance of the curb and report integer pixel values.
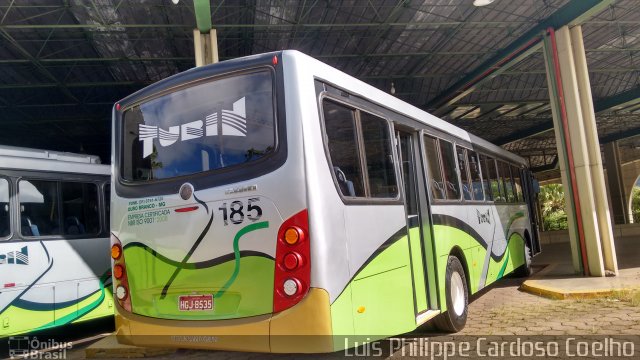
(560, 294)
(532, 286)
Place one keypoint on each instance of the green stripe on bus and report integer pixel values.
(236, 252)
(84, 310)
(504, 266)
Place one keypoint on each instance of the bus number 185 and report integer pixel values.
(235, 212)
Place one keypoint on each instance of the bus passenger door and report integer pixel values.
(531, 188)
(418, 227)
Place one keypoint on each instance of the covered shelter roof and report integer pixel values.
(65, 62)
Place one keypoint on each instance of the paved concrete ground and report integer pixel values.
(504, 310)
(500, 310)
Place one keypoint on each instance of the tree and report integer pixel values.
(551, 199)
(635, 204)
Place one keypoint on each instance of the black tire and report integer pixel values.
(525, 269)
(454, 319)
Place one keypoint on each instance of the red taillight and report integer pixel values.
(291, 261)
(118, 269)
(293, 265)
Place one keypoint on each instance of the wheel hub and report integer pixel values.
(457, 294)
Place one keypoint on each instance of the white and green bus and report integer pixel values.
(54, 232)
(274, 195)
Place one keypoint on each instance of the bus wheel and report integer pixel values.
(455, 317)
(525, 269)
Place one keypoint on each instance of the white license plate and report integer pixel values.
(195, 302)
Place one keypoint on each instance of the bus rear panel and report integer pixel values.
(210, 228)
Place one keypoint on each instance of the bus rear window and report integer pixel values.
(221, 123)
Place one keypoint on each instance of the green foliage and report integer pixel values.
(552, 202)
(635, 204)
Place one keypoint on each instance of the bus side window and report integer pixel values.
(517, 182)
(435, 182)
(494, 180)
(505, 174)
(462, 166)
(339, 122)
(484, 161)
(80, 208)
(452, 183)
(379, 156)
(474, 172)
(5, 223)
(107, 206)
(39, 207)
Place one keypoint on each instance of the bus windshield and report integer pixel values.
(220, 123)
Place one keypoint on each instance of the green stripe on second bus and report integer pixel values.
(44, 316)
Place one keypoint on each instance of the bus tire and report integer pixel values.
(457, 294)
(525, 269)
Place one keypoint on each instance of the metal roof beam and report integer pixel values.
(85, 60)
(414, 24)
(38, 65)
(618, 101)
(31, 105)
(528, 132)
(72, 85)
(620, 135)
(572, 13)
(613, 102)
(82, 120)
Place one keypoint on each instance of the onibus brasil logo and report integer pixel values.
(26, 347)
(230, 123)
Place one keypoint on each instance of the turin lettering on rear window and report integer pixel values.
(220, 123)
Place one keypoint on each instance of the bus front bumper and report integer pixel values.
(304, 328)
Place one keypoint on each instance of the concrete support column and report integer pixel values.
(206, 47)
(579, 153)
(619, 207)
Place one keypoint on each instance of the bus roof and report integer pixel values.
(326, 72)
(360, 88)
(20, 158)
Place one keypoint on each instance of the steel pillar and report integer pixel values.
(205, 38)
(206, 47)
(592, 246)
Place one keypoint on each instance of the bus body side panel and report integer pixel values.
(55, 282)
(360, 253)
(50, 281)
(488, 255)
(508, 252)
(452, 233)
(329, 253)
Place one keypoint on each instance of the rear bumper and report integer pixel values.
(304, 328)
